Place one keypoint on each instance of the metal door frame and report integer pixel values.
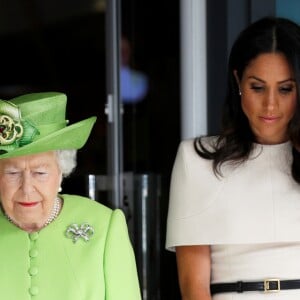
(113, 108)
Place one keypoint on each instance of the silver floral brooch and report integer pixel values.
(75, 231)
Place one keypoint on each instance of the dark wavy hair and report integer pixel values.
(235, 142)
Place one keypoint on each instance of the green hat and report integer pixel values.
(35, 123)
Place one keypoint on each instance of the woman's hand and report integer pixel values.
(193, 264)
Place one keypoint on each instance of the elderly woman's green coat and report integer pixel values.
(49, 265)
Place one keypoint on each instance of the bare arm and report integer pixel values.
(193, 264)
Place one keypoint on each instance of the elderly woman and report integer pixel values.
(55, 246)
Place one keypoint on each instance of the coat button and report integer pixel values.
(33, 252)
(33, 271)
(34, 290)
(34, 236)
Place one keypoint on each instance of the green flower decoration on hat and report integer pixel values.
(14, 132)
(36, 122)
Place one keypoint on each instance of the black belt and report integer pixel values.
(268, 285)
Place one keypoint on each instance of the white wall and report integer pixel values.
(193, 68)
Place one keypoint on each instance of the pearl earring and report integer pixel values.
(240, 93)
(59, 189)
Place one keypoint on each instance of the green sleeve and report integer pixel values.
(121, 280)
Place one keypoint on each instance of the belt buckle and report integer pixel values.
(267, 282)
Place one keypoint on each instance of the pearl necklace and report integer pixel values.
(54, 213)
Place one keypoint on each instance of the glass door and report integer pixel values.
(149, 96)
(131, 191)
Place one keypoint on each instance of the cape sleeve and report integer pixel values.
(256, 201)
(181, 195)
(191, 193)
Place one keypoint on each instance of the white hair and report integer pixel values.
(66, 161)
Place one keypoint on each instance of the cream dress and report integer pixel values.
(250, 216)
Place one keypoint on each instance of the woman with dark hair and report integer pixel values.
(234, 211)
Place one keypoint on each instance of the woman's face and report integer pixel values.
(268, 97)
(28, 187)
